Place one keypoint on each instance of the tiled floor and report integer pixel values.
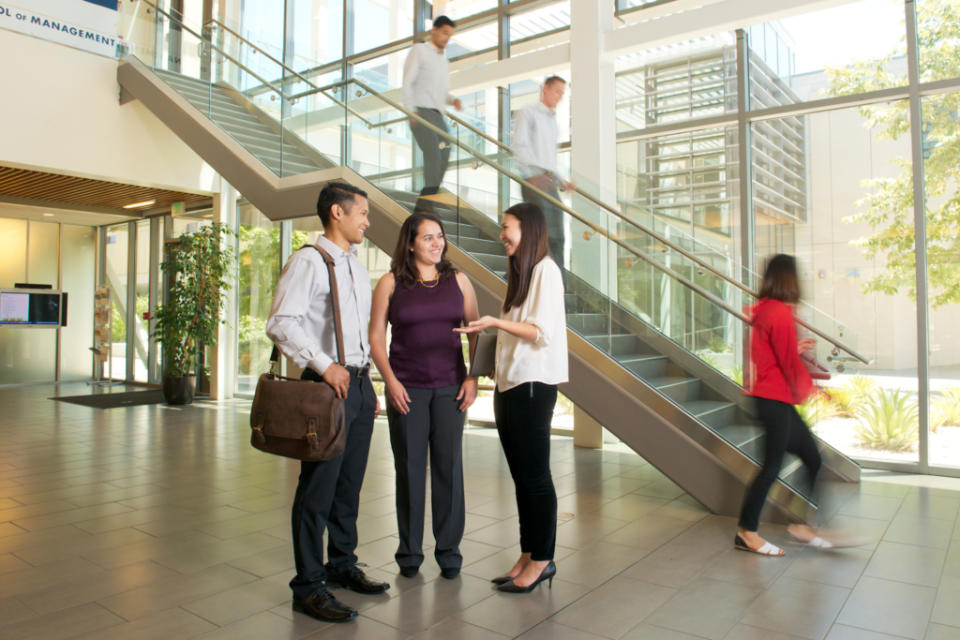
(161, 522)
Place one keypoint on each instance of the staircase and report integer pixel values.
(682, 415)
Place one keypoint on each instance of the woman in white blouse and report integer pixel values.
(531, 361)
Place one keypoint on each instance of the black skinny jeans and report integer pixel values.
(785, 432)
(523, 416)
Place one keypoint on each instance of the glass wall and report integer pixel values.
(812, 55)
(34, 251)
(78, 256)
(849, 169)
(27, 354)
(141, 328)
(832, 184)
(43, 249)
(940, 143)
(116, 269)
(258, 268)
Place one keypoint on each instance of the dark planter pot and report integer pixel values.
(179, 389)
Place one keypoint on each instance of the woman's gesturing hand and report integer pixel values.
(478, 325)
(397, 396)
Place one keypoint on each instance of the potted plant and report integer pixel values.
(196, 266)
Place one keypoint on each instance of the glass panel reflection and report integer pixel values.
(940, 137)
(258, 269)
(116, 283)
(854, 168)
(790, 59)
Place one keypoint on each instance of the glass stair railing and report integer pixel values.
(642, 301)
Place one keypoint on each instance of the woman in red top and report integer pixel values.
(779, 380)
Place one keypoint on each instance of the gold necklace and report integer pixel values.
(435, 281)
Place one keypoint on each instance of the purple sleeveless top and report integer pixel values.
(424, 351)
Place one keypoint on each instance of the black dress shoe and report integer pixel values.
(323, 606)
(547, 574)
(450, 572)
(409, 572)
(501, 580)
(356, 580)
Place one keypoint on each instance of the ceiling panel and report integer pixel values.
(26, 186)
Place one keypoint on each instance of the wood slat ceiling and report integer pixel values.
(84, 192)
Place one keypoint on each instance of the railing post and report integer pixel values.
(747, 238)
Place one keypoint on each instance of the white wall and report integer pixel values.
(61, 113)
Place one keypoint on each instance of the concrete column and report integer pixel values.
(593, 161)
(592, 136)
(587, 432)
(223, 355)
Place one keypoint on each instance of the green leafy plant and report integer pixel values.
(846, 398)
(817, 408)
(717, 344)
(946, 410)
(737, 374)
(118, 328)
(856, 391)
(887, 420)
(843, 400)
(196, 266)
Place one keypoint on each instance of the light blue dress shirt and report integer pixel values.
(301, 317)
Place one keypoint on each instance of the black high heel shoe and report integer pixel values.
(548, 573)
(501, 580)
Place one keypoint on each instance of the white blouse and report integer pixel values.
(544, 359)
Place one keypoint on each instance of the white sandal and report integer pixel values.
(766, 549)
(818, 543)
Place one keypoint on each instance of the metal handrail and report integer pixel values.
(556, 202)
(256, 47)
(513, 176)
(226, 55)
(291, 98)
(664, 241)
(597, 229)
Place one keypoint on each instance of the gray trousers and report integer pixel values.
(434, 422)
(435, 156)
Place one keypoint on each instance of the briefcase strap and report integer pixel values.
(335, 294)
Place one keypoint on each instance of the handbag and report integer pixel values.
(816, 369)
(300, 419)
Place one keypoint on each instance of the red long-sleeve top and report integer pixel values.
(777, 372)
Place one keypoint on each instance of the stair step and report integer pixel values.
(275, 156)
(271, 147)
(624, 344)
(739, 435)
(494, 263)
(645, 366)
(677, 388)
(480, 245)
(591, 323)
(794, 475)
(714, 413)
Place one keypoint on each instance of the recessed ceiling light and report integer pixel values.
(48, 215)
(137, 205)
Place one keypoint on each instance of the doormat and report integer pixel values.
(114, 400)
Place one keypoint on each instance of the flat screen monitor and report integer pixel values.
(32, 308)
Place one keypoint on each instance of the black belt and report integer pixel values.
(358, 372)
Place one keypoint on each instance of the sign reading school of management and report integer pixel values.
(90, 25)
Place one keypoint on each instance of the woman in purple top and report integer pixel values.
(424, 298)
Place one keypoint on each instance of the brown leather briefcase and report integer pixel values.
(300, 419)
